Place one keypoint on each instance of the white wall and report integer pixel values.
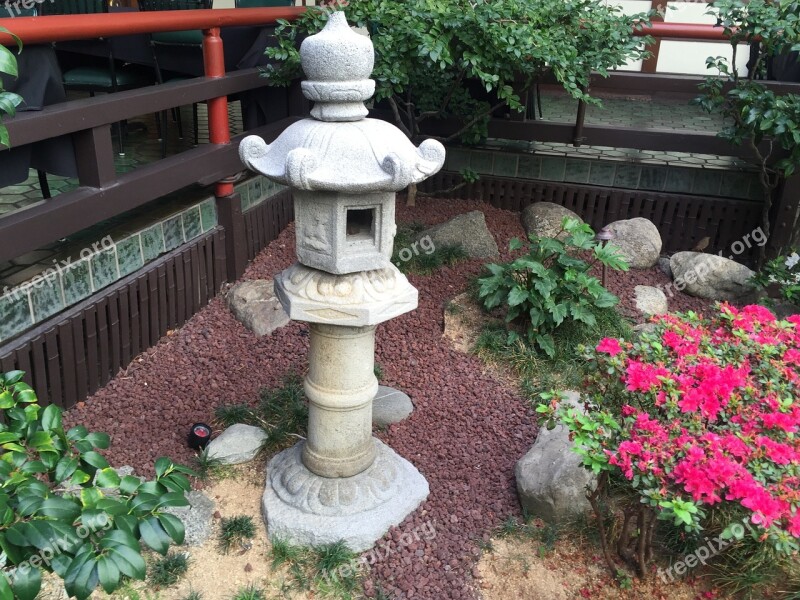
(690, 57)
(684, 57)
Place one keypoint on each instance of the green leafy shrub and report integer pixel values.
(697, 422)
(8, 100)
(467, 60)
(551, 284)
(783, 272)
(64, 509)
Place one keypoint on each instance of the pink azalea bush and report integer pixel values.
(701, 413)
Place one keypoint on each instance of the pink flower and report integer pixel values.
(759, 313)
(680, 345)
(641, 377)
(609, 346)
(792, 356)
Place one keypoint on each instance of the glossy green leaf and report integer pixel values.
(109, 573)
(154, 535)
(162, 466)
(173, 526)
(60, 508)
(128, 561)
(107, 478)
(51, 418)
(94, 459)
(99, 440)
(129, 484)
(65, 468)
(81, 577)
(26, 582)
(77, 433)
(6, 593)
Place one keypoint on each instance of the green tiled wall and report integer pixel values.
(90, 269)
(257, 189)
(704, 178)
(59, 288)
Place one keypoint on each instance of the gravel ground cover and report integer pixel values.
(465, 435)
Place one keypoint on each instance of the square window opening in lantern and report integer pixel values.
(360, 226)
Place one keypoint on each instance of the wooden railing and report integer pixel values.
(102, 193)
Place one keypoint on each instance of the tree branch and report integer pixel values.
(398, 119)
(471, 122)
(443, 107)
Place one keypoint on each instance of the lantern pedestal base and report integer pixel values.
(308, 510)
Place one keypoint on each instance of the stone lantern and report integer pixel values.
(343, 170)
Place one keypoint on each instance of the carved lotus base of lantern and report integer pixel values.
(355, 300)
(308, 510)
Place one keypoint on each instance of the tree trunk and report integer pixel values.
(411, 195)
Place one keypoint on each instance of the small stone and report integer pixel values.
(217, 514)
(390, 406)
(196, 517)
(239, 443)
(248, 567)
(256, 306)
(650, 300)
(663, 264)
(545, 219)
(638, 240)
(551, 481)
(469, 231)
(713, 277)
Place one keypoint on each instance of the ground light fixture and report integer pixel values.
(604, 236)
(199, 436)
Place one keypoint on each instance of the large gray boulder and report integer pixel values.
(469, 231)
(544, 219)
(650, 300)
(712, 276)
(196, 518)
(256, 306)
(239, 443)
(638, 240)
(551, 480)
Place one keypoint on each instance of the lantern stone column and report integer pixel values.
(344, 171)
(340, 387)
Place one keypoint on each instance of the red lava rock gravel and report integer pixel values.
(465, 435)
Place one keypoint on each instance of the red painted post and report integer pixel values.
(218, 125)
(229, 204)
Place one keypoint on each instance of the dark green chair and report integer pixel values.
(161, 42)
(107, 78)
